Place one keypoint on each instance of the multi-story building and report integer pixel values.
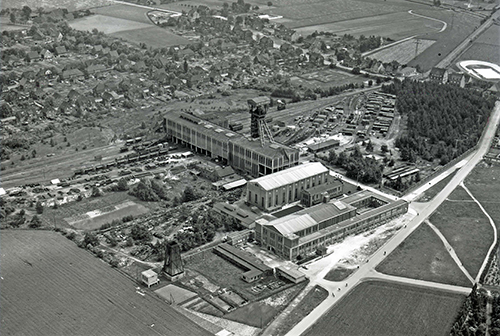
(303, 232)
(273, 191)
(254, 157)
(315, 195)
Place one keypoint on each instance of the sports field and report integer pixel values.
(390, 309)
(52, 287)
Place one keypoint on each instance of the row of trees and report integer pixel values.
(471, 319)
(444, 121)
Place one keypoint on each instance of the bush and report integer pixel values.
(140, 233)
(90, 239)
(39, 208)
(35, 222)
(189, 195)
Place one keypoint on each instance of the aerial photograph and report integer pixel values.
(250, 167)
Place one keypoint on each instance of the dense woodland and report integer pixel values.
(471, 319)
(443, 121)
(358, 167)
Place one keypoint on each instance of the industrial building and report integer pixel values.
(252, 156)
(273, 191)
(303, 232)
(315, 195)
(323, 146)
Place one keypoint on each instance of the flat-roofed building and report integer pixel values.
(273, 191)
(250, 156)
(291, 274)
(303, 232)
(323, 146)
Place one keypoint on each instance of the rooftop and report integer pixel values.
(356, 197)
(306, 218)
(324, 187)
(290, 175)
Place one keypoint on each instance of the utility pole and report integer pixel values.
(417, 42)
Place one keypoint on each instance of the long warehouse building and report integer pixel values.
(302, 233)
(249, 156)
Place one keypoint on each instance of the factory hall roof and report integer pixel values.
(308, 217)
(290, 175)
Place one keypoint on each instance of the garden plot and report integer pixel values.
(403, 52)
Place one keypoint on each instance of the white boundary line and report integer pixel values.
(445, 25)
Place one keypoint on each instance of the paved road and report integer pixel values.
(365, 271)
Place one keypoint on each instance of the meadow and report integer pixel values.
(152, 36)
(423, 256)
(403, 52)
(106, 24)
(384, 308)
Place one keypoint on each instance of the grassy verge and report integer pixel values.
(423, 256)
(338, 274)
(430, 193)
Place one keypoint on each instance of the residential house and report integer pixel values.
(98, 90)
(33, 56)
(113, 54)
(139, 66)
(185, 53)
(72, 74)
(95, 68)
(47, 55)
(457, 79)
(438, 75)
(61, 50)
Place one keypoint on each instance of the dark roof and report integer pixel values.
(325, 187)
(438, 72)
(326, 144)
(61, 50)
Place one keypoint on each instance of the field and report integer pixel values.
(423, 256)
(94, 220)
(51, 287)
(460, 25)
(403, 52)
(383, 308)
(483, 183)
(485, 48)
(153, 36)
(70, 5)
(338, 274)
(130, 13)
(106, 24)
(326, 78)
(313, 299)
(111, 201)
(394, 25)
(466, 228)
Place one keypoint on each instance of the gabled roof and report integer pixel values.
(438, 72)
(290, 175)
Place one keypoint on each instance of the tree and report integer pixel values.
(12, 18)
(33, 153)
(269, 3)
(26, 12)
(384, 148)
(95, 192)
(188, 195)
(122, 185)
(185, 66)
(35, 222)
(332, 157)
(369, 146)
(39, 208)
(90, 239)
(140, 233)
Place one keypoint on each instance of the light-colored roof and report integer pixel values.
(293, 272)
(290, 175)
(293, 223)
(149, 273)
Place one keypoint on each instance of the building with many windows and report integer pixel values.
(273, 191)
(250, 156)
(303, 232)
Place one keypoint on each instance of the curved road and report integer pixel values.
(366, 271)
(445, 25)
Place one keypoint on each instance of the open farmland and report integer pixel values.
(403, 52)
(126, 12)
(106, 24)
(70, 5)
(51, 287)
(384, 308)
(485, 48)
(423, 256)
(460, 25)
(466, 228)
(153, 36)
(394, 25)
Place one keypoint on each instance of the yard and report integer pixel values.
(383, 308)
(260, 313)
(466, 228)
(423, 256)
(67, 291)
